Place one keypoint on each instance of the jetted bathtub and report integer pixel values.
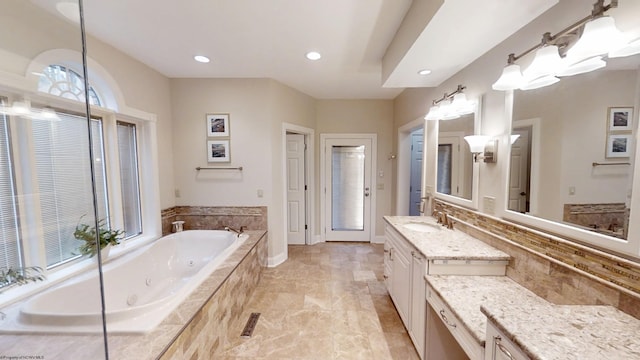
(141, 288)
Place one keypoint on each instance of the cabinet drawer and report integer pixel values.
(469, 344)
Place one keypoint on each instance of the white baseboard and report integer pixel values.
(316, 239)
(276, 260)
(378, 239)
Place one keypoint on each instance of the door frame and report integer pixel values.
(309, 136)
(323, 184)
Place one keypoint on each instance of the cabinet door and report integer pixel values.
(400, 278)
(418, 302)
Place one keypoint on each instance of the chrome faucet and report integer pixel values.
(237, 231)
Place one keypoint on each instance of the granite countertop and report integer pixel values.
(464, 295)
(542, 330)
(568, 332)
(443, 243)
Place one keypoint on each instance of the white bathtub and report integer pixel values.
(141, 288)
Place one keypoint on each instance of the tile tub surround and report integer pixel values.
(444, 243)
(175, 329)
(560, 271)
(215, 217)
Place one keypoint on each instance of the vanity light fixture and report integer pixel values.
(562, 55)
(482, 144)
(450, 106)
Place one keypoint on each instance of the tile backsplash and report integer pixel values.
(215, 217)
(557, 269)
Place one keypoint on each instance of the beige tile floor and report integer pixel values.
(327, 301)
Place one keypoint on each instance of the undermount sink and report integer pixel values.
(422, 227)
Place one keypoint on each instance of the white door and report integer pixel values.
(348, 189)
(296, 190)
(519, 172)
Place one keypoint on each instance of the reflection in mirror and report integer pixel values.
(583, 129)
(455, 162)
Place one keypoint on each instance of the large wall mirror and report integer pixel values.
(457, 174)
(572, 153)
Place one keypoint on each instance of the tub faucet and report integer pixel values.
(178, 226)
(237, 231)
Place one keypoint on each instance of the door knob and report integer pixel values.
(523, 193)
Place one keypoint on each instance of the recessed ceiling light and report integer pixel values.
(424, 72)
(313, 55)
(70, 10)
(202, 59)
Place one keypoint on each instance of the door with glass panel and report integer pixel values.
(348, 191)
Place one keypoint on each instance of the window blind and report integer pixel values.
(129, 179)
(9, 237)
(62, 161)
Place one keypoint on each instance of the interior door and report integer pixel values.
(296, 190)
(415, 187)
(348, 191)
(519, 172)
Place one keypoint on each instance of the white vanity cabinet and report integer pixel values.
(406, 284)
(498, 346)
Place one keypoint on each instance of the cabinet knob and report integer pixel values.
(385, 276)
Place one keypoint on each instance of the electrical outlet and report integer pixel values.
(380, 187)
(428, 190)
(489, 205)
(176, 192)
(260, 193)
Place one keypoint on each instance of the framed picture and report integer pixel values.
(218, 151)
(619, 145)
(620, 118)
(217, 125)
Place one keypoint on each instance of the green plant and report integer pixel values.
(20, 276)
(87, 233)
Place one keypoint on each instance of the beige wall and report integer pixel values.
(363, 116)
(480, 75)
(257, 109)
(143, 88)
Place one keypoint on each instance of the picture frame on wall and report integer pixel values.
(618, 146)
(620, 119)
(217, 125)
(218, 151)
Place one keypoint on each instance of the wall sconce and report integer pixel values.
(483, 144)
(451, 106)
(577, 49)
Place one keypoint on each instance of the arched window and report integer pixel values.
(61, 81)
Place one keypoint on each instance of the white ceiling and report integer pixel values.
(269, 38)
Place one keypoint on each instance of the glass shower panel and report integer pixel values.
(347, 188)
(46, 182)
